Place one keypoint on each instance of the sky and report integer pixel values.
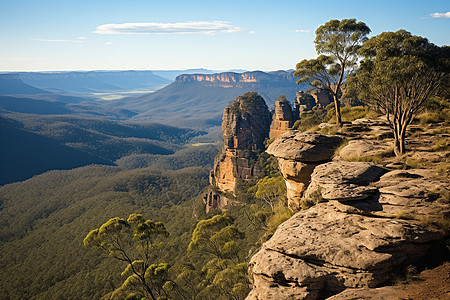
(49, 35)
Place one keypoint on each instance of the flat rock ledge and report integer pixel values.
(322, 251)
(371, 224)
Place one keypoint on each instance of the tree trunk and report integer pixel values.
(399, 139)
(337, 110)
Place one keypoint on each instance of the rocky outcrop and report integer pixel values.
(283, 118)
(215, 200)
(246, 79)
(307, 100)
(344, 181)
(298, 154)
(356, 149)
(245, 126)
(362, 233)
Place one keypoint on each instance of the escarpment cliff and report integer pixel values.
(245, 126)
(366, 222)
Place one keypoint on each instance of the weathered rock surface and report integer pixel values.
(283, 118)
(245, 126)
(321, 251)
(344, 180)
(430, 285)
(370, 226)
(363, 148)
(298, 154)
(215, 200)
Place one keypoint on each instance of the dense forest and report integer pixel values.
(45, 219)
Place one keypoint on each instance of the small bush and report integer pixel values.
(312, 199)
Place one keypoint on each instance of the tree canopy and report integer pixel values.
(337, 43)
(399, 73)
(134, 241)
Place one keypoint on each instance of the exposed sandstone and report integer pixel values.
(354, 244)
(321, 251)
(344, 180)
(214, 200)
(283, 118)
(245, 126)
(364, 148)
(298, 154)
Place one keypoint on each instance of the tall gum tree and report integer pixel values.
(337, 43)
(399, 73)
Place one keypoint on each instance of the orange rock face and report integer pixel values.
(245, 126)
(283, 119)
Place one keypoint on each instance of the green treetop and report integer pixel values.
(337, 43)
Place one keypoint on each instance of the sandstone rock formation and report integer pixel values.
(306, 101)
(245, 126)
(356, 239)
(360, 148)
(214, 200)
(298, 154)
(283, 118)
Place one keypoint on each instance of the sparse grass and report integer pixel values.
(376, 159)
(443, 169)
(408, 275)
(311, 200)
(338, 149)
(403, 215)
(412, 163)
(441, 145)
(351, 113)
(443, 130)
(280, 214)
(441, 222)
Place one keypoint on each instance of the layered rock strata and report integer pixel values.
(356, 239)
(245, 127)
(298, 154)
(283, 118)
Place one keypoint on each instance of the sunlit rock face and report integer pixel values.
(298, 154)
(356, 239)
(245, 126)
(283, 118)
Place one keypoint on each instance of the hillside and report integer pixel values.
(34, 144)
(198, 100)
(11, 84)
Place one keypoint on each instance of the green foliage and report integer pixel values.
(225, 275)
(399, 74)
(43, 222)
(336, 43)
(133, 241)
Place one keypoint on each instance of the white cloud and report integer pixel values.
(303, 30)
(108, 43)
(441, 15)
(168, 28)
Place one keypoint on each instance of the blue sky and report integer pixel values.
(145, 34)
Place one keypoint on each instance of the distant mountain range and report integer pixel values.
(198, 100)
(94, 81)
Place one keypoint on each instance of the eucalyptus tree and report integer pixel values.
(399, 73)
(336, 43)
(134, 241)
